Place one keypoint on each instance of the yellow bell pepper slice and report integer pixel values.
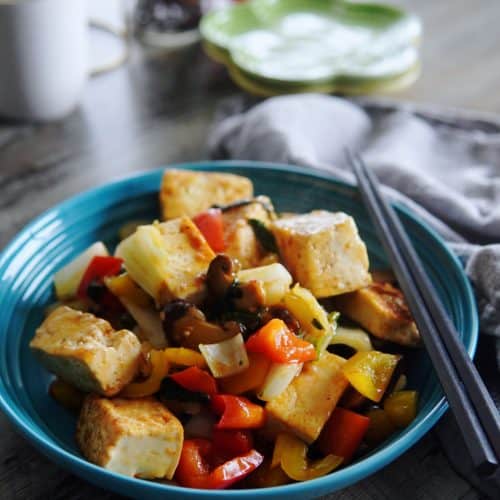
(66, 395)
(267, 476)
(369, 372)
(279, 450)
(294, 460)
(159, 370)
(184, 357)
(401, 407)
(380, 428)
(311, 316)
(250, 379)
(124, 286)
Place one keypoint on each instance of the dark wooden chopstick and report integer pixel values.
(469, 400)
(474, 385)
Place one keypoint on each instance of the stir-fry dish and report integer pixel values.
(229, 344)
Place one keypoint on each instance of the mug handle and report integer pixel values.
(122, 58)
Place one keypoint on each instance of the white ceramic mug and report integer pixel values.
(43, 57)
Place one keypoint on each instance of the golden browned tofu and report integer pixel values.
(168, 260)
(134, 437)
(323, 251)
(307, 403)
(239, 236)
(381, 309)
(86, 351)
(185, 192)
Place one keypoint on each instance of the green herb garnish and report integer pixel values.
(263, 235)
(316, 323)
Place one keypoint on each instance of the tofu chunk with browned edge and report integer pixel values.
(168, 260)
(323, 251)
(185, 192)
(134, 437)
(381, 309)
(241, 242)
(307, 403)
(86, 351)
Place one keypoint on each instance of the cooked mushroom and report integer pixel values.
(284, 314)
(234, 327)
(248, 296)
(186, 325)
(221, 275)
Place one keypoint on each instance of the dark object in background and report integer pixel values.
(166, 16)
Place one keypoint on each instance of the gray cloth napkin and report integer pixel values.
(443, 165)
(449, 175)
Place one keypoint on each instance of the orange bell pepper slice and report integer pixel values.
(250, 379)
(194, 469)
(343, 433)
(237, 412)
(211, 225)
(196, 380)
(275, 341)
(369, 372)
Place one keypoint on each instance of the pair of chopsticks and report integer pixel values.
(472, 406)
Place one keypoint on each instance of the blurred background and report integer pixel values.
(459, 45)
(132, 40)
(141, 91)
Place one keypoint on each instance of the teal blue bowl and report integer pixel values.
(29, 262)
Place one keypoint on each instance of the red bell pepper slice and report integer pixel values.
(211, 225)
(232, 443)
(194, 469)
(343, 433)
(195, 379)
(237, 412)
(275, 341)
(98, 268)
(236, 469)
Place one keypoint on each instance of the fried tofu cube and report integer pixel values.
(381, 309)
(307, 403)
(185, 192)
(134, 437)
(241, 242)
(168, 260)
(323, 251)
(86, 351)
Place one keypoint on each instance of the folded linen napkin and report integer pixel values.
(444, 165)
(449, 175)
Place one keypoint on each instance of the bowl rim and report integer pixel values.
(346, 476)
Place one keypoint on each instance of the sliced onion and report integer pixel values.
(275, 279)
(149, 322)
(278, 378)
(227, 357)
(67, 279)
(356, 338)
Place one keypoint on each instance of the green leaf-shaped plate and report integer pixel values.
(329, 44)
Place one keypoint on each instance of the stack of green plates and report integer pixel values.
(286, 46)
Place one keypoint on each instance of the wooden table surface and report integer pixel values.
(157, 110)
